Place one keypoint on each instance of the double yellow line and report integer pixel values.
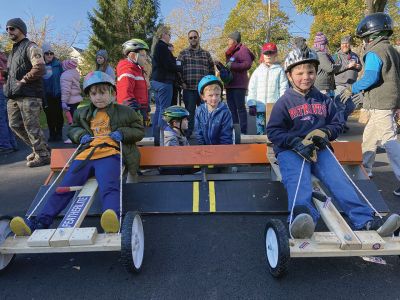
(196, 196)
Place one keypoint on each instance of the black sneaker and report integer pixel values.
(397, 192)
(385, 226)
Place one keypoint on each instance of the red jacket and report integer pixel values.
(131, 83)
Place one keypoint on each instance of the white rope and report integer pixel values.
(54, 182)
(295, 196)
(356, 187)
(120, 187)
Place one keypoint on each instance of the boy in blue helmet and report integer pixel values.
(99, 128)
(302, 124)
(213, 120)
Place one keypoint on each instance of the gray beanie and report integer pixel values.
(346, 39)
(235, 36)
(103, 53)
(300, 42)
(17, 23)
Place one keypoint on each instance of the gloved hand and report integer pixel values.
(116, 136)
(252, 110)
(345, 94)
(320, 138)
(65, 106)
(132, 103)
(305, 148)
(358, 99)
(87, 138)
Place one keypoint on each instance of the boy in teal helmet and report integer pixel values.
(177, 119)
(99, 128)
(213, 120)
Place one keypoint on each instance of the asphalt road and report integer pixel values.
(189, 256)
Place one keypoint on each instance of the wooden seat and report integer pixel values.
(348, 153)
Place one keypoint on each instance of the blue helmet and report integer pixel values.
(97, 77)
(207, 80)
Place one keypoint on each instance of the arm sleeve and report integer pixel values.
(166, 59)
(334, 122)
(244, 64)
(135, 132)
(283, 83)
(125, 84)
(372, 73)
(226, 137)
(76, 131)
(252, 89)
(35, 55)
(197, 129)
(211, 69)
(326, 64)
(66, 86)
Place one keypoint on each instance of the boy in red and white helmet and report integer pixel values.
(267, 83)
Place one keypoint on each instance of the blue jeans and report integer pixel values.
(163, 97)
(192, 99)
(327, 170)
(106, 170)
(236, 99)
(260, 123)
(7, 139)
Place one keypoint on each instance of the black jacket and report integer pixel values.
(164, 66)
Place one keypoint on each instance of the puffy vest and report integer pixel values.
(386, 93)
(18, 65)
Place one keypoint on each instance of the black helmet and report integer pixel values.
(175, 112)
(376, 22)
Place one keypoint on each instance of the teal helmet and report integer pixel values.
(175, 112)
(207, 80)
(97, 77)
(134, 45)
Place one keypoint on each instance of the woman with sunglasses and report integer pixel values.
(52, 94)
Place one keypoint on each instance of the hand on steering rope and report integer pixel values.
(319, 137)
(305, 148)
(345, 95)
(87, 138)
(116, 136)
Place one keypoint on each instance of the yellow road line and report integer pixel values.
(211, 188)
(195, 196)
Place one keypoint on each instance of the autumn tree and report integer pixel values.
(250, 18)
(115, 21)
(200, 15)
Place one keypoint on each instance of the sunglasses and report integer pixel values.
(49, 53)
(10, 28)
(193, 37)
(270, 52)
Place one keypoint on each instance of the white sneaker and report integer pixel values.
(68, 141)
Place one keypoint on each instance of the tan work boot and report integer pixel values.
(38, 161)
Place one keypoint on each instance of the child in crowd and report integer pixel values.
(177, 119)
(302, 124)
(99, 127)
(267, 83)
(102, 63)
(213, 120)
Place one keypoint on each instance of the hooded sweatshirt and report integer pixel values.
(70, 85)
(295, 115)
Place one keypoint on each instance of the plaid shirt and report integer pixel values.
(196, 64)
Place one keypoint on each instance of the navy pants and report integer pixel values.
(191, 99)
(236, 104)
(106, 170)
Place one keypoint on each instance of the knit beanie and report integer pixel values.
(235, 36)
(46, 47)
(69, 64)
(18, 23)
(320, 41)
(300, 43)
(103, 53)
(347, 39)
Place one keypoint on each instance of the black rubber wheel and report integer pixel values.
(277, 252)
(5, 231)
(132, 242)
(237, 133)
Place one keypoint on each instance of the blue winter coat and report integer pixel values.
(51, 79)
(215, 128)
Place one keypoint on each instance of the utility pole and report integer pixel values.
(269, 23)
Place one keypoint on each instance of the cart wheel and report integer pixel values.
(277, 248)
(5, 231)
(132, 242)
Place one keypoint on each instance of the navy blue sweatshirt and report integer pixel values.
(295, 115)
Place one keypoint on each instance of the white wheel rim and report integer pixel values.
(137, 241)
(272, 248)
(4, 231)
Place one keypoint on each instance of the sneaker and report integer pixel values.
(397, 192)
(68, 141)
(302, 226)
(38, 161)
(109, 221)
(22, 227)
(385, 226)
(30, 156)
